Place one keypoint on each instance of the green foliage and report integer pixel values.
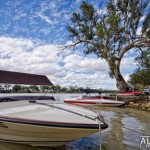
(57, 88)
(16, 88)
(76, 89)
(146, 26)
(34, 88)
(144, 59)
(107, 34)
(24, 89)
(141, 77)
(45, 88)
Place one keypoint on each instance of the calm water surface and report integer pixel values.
(116, 137)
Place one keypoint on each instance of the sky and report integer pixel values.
(32, 33)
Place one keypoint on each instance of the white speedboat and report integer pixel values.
(94, 100)
(44, 122)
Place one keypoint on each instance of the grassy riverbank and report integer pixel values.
(143, 105)
(141, 102)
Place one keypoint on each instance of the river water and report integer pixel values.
(128, 128)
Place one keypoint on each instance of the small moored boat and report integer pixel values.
(130, 93)
(93, 100)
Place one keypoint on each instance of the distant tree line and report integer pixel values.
(54, 89)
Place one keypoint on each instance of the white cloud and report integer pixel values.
(80, 63)
(139, 31)
(52, 9)
(19, 16)
(46, 19)
(24, 55)
(126, 77)
(143, 18)
(128, 63)
(65, 69)
(101, 11)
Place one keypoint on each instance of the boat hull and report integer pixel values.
(129, 94)
(41, 135)
(97, 102)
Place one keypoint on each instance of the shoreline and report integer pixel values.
(141, 102)
(142, 105)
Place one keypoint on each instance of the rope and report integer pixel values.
(100, 135)
(33, 101)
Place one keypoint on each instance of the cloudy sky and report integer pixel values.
(31, 34)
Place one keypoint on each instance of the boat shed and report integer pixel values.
(9, 77)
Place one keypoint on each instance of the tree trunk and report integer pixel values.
(114, 66)
(120, 82)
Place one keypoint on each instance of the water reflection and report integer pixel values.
(114, 138)
(121, 138)
(115, 134)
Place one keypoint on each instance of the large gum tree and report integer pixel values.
(111, 34)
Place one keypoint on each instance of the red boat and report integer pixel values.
(93, 100)
(134, 93)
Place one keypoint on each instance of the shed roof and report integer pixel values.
(9, 77)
